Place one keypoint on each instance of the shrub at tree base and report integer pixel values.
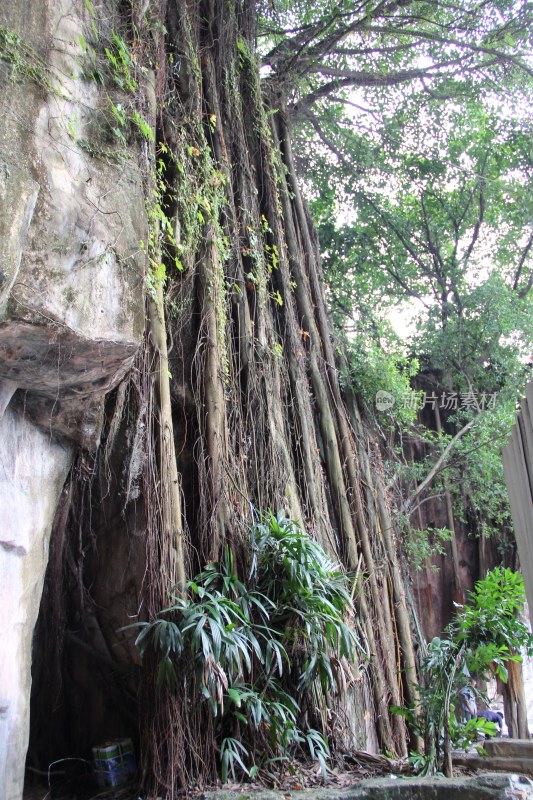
(257, 650)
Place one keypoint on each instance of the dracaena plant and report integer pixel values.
(253, 645)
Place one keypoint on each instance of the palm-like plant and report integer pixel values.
(310, 596)
(254, 646)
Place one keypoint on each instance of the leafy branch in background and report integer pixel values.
(435, 225)
(254, 649)
(326, 49)
(422, 545)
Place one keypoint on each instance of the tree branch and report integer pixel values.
(346, 78)
(438, 465)
(366, 78)
(519, 269)
(326, 140)
(481, 214)
(500, 55)
(412, 252)
(527, 288)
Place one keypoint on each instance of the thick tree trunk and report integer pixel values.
(263, 367)
(514, 702)
(170, 487)
(236, 392)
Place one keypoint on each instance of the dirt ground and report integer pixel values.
(295, 778)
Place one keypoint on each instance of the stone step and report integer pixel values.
(503, 755)
(510, 748)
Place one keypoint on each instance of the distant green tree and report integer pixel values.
(438, 222)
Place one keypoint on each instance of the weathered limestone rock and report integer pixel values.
(64, 376)
(32, 473)
(71, 263)
(18, 193)
(71, 306)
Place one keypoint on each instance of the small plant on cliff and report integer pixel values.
(255, 648)
(26, 63)
(110, 62)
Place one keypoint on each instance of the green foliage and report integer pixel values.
(145, 129)
(120, 64)
(162, 247)
(310, 596)
(253, 647)
(485, 635)
(419, 171)
(450, 240)
(491, 622)
(109, 61)
(232, 753)
(318, 41)
(443, 674)
(421, 546)
(25, 62)
(375, 365)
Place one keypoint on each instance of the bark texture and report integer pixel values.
(233, 407)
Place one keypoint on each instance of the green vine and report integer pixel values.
(163, 247)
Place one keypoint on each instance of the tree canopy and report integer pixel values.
(413, 134)
(317, 50)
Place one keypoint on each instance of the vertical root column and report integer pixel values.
(212, 412)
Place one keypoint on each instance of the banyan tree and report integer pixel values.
(171, 386)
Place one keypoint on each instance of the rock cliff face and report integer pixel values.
(32, 471)
(71, 308)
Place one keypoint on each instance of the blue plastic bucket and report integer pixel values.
(114, 763)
